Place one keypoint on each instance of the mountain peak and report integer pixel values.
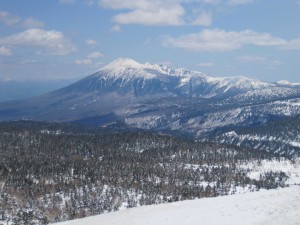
(125, 69)
(123, 63)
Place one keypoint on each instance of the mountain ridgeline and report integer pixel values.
(156, 97)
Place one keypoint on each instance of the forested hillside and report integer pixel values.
(56, 172)
(279, 135)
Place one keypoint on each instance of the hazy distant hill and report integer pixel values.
(12, 89)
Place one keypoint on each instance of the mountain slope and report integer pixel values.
(280, 136)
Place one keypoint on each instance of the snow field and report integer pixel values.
(273, 207)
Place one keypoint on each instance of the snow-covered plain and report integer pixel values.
(272, 207)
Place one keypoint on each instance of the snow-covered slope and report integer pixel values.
(126, 69)
(273, 207)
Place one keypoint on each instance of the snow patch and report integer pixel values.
(295, 144)
(292, 170)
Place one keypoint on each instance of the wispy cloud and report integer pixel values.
(258, 59)
(4, 51)
(48, 42)
(90, 59)
(292, 45)
(239, 2)
(9, 19)
(91, 42)
(95, 55)
(32, 23)
(90, 2)
(251, 58)
(217, 40)
(205, 64)
(67, 2)
(13, 20)
(204, 19)
(84, 62)
(116, 28)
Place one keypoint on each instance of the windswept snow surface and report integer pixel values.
(272, 207)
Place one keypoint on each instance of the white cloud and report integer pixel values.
(158, 12)
(95, 55)
(49, 42)
(216, 40)
(84, 62)
(90, 42)
(9, 19)
(32, 23)
(166, 12)
(4, 51)
(154, 16)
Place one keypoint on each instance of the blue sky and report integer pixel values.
(67, 39)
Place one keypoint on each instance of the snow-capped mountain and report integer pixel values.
(128, 76)
(151, 96)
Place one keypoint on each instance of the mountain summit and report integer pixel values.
(122, 63)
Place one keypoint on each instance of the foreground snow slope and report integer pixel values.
(274, 207)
